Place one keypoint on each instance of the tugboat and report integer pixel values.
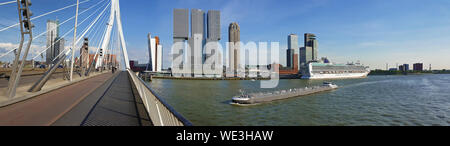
(253, 98)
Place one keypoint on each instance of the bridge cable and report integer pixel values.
(66, 35)
(93, 34)
(98, 46)
(4, 3)
(106, 50)
(98, 31)
(45, 32)
(85, 31)
(88, 31)
(62, 52)
(90, 26)
(45, 14)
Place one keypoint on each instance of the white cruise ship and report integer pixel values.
(317, 70)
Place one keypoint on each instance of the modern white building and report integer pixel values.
(155, 54)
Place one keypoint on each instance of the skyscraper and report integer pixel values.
(309, 52)
(181, 24)
(292, 50)
(159, 57)
(52, 34)
(290, 58)
(155, 54)
(150, 53)
(312, 45)
(234, 50)
(213, 27)
(180, 36)
(58, 46)
(202, 32)
(196, 41)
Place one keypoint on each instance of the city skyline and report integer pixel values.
(404, 32)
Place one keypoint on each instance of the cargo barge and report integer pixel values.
(255, 98)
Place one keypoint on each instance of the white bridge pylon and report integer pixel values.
(114, 17)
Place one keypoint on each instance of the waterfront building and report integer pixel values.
(418, 67)
(159, 57)
(151, 43)
(309, 52)
(393, 69)
(311, 45)
(292, 67)
(196, 41)
(52, 34)
(201, 34)
(290, 58)
(155, 54)
(214, 68)
(293, 50)
(180, 36)
(180, 24)
(406, 67)
(234, 49)
(213, 27)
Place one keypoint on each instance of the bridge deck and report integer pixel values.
(104, 100)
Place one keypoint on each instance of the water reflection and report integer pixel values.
(377, 100)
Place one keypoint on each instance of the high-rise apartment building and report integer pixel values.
(213, 25)
(58, 46)
(202, 32)
(180, 37)
(311, 42)
(180, 24)
(52, 34)
(290, 58)
(309, 52)
(234, 50)
(197, 41)
(292, 51)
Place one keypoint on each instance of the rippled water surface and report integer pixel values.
(376, 100)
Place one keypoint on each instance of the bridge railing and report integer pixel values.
(161, 113)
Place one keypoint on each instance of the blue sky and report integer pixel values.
(375, 32)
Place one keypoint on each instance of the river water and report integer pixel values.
(376, 100)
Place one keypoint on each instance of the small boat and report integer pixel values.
(254, 98)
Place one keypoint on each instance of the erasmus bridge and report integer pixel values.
(76, 88)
